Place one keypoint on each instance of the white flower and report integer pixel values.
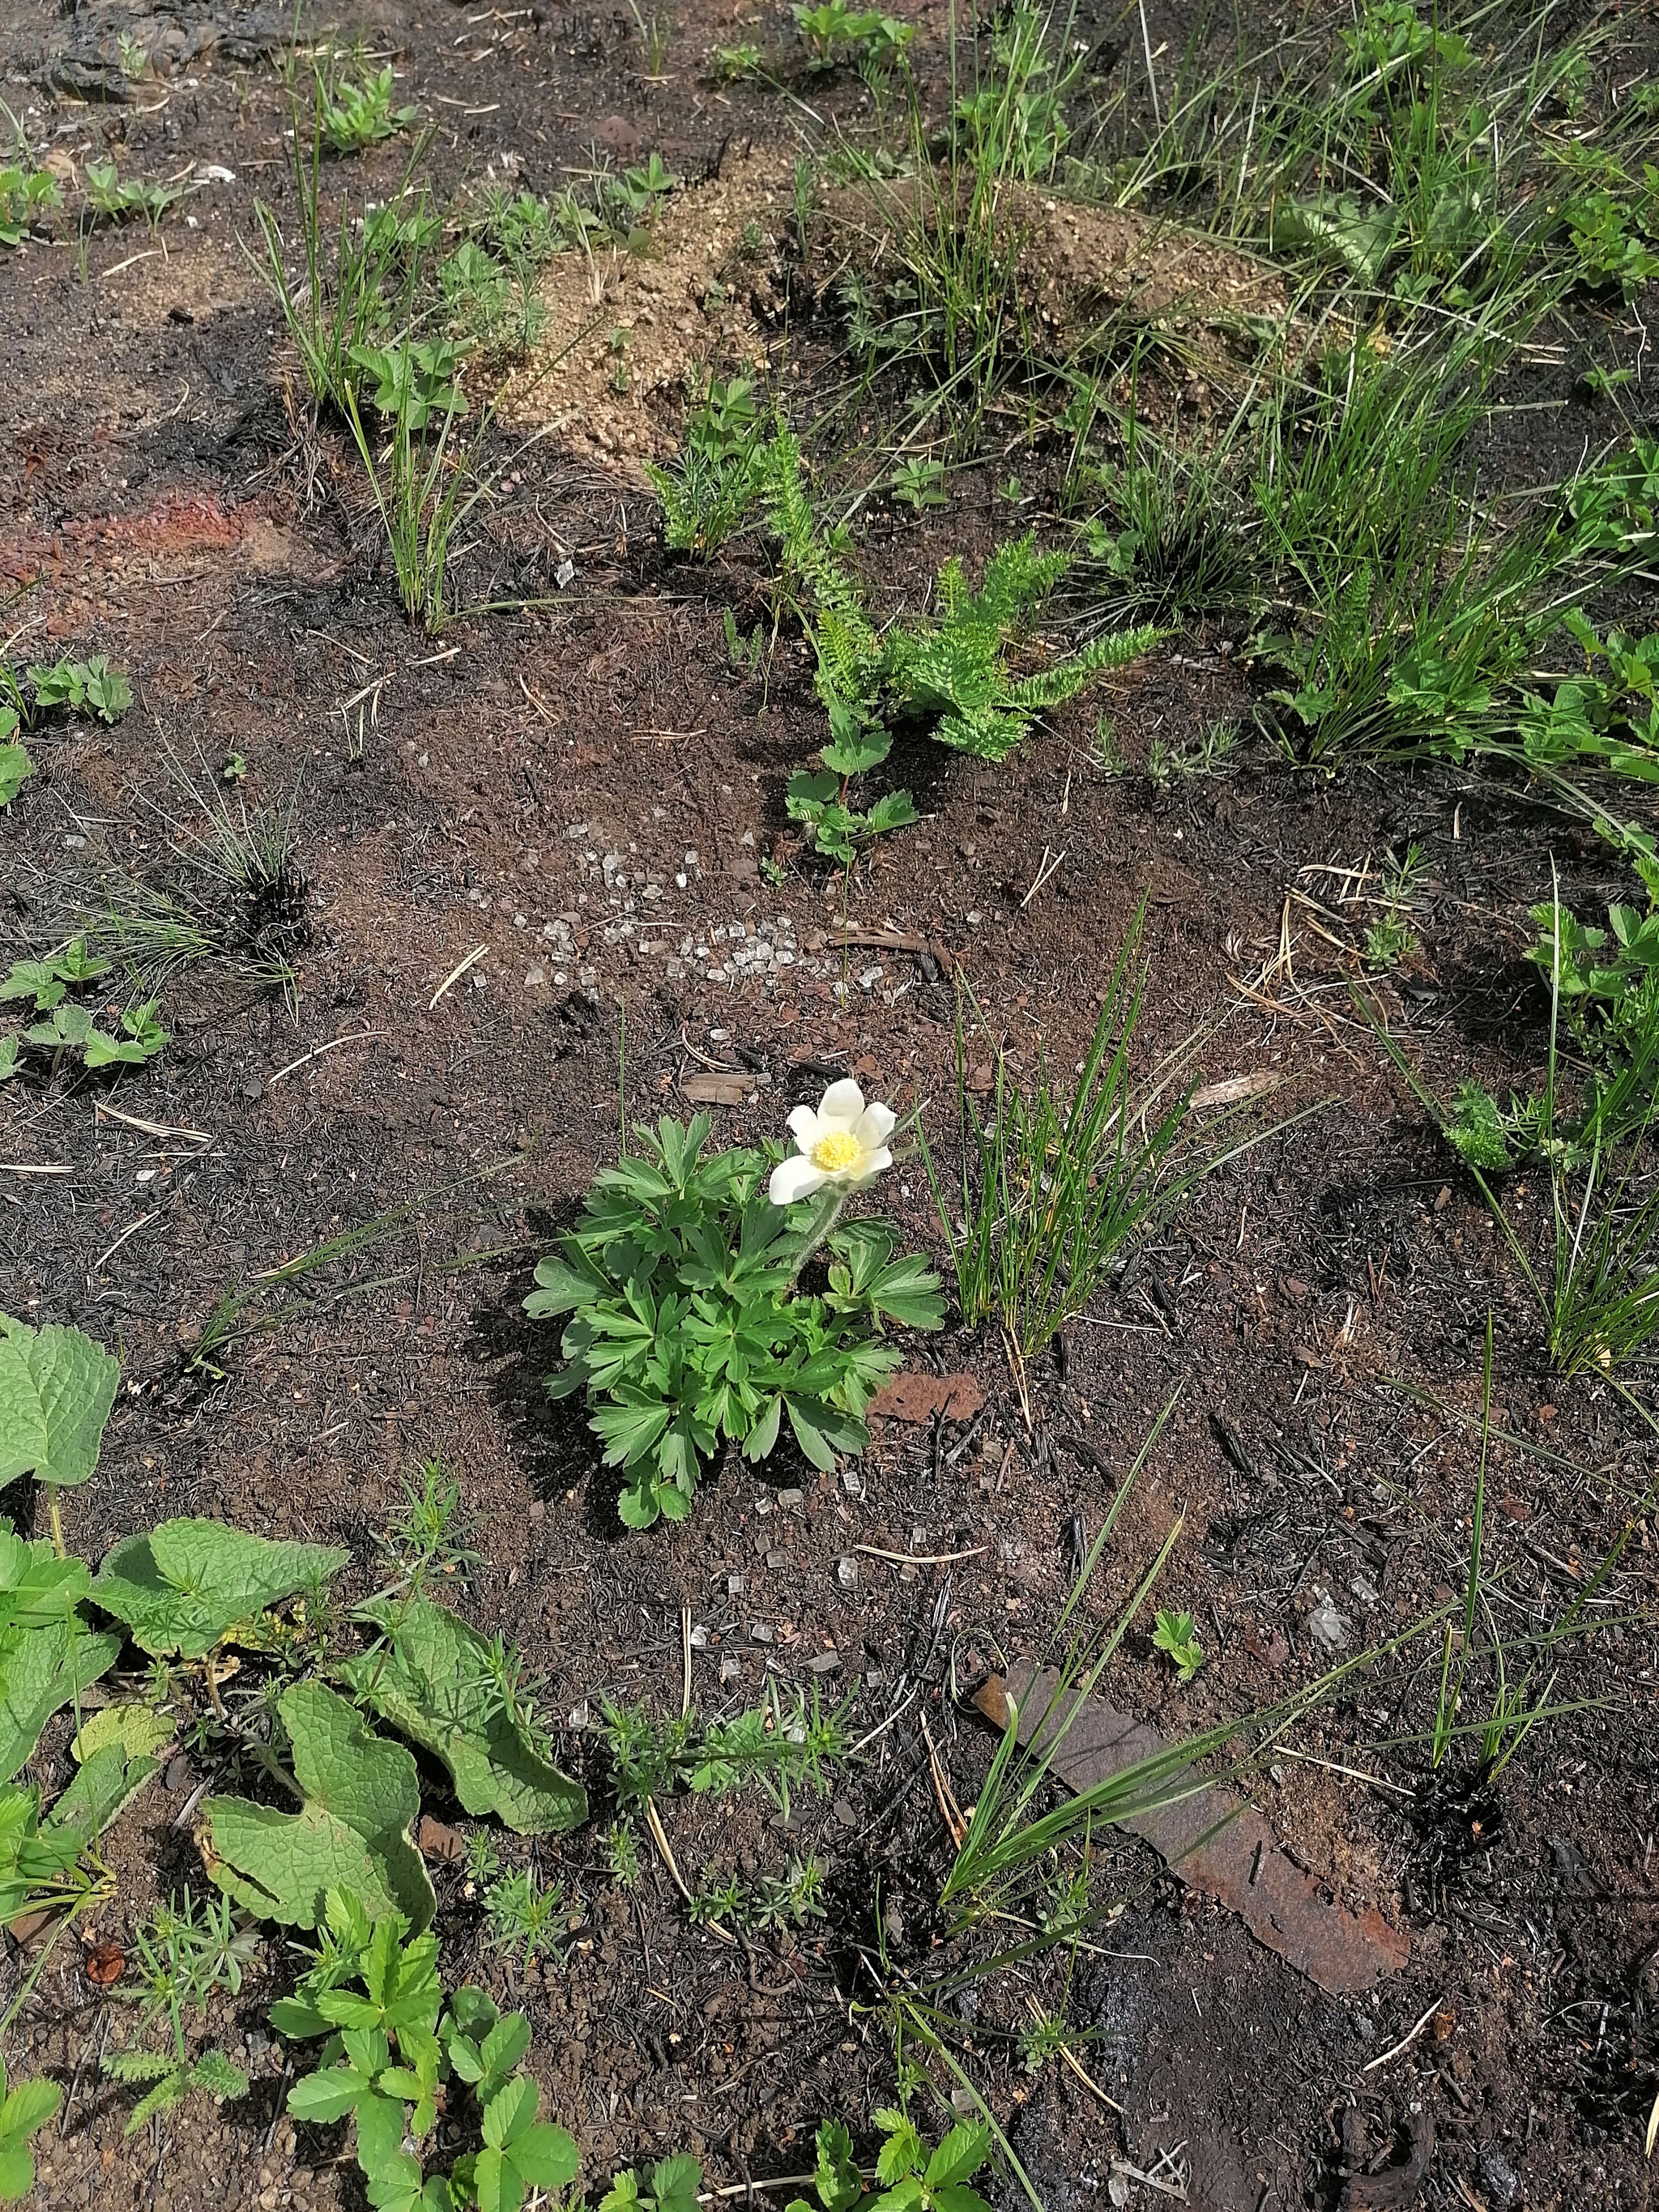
(845, 1141)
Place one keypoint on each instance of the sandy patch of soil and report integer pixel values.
(624, 329)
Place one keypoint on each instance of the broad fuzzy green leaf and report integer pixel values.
(16, 769)
(105, 1785)
(182, 1587)
(431, 1682)
(362, 1798)
(139, 1730)
(41, 1669)
(55, 1390)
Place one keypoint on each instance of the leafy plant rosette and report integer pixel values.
(689, 1321)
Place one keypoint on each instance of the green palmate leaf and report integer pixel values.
(822, 1431)
(362, 1796)
(183, 1587)
(55, 1390)
(432, 1681)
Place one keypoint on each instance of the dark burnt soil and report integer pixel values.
(583, 798)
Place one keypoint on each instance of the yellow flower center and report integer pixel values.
(836, 1151)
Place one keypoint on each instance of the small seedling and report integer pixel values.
(83, 686)
(1391, 938)
(235, 769)
(426, 1541)
(772, 1902)
(108, 195)
(719, 479)
(732, 64)
(671, 2185)
(525, 1920)
(25, 2109)
(483, 1861)
(1210, 754)
(179, 1957)
(1173, 1635)
(834, 32)
(25, 194)
(919, 483)
(413, 379)
(181, 1961)
(357, 114)
(1107, 758)
(653, 31)
(622, 1848)
(743, 654)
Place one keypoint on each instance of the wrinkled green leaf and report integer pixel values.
(362, 1798)
(431, 1682)
(183, 1587)
(55, 1390)
(41, 1669)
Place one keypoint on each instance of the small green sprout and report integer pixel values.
(1173, 1635)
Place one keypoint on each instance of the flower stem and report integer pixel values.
(826, 1214)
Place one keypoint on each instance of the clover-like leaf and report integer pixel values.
(521, 2152)
(185, 1586)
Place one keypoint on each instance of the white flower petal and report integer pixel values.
(872, 1165)
(876, 1125)
(841, 1101)
(803, 1127)
(795, 1178)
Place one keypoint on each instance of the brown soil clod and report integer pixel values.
(1212, 1838)
(916, 1398)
